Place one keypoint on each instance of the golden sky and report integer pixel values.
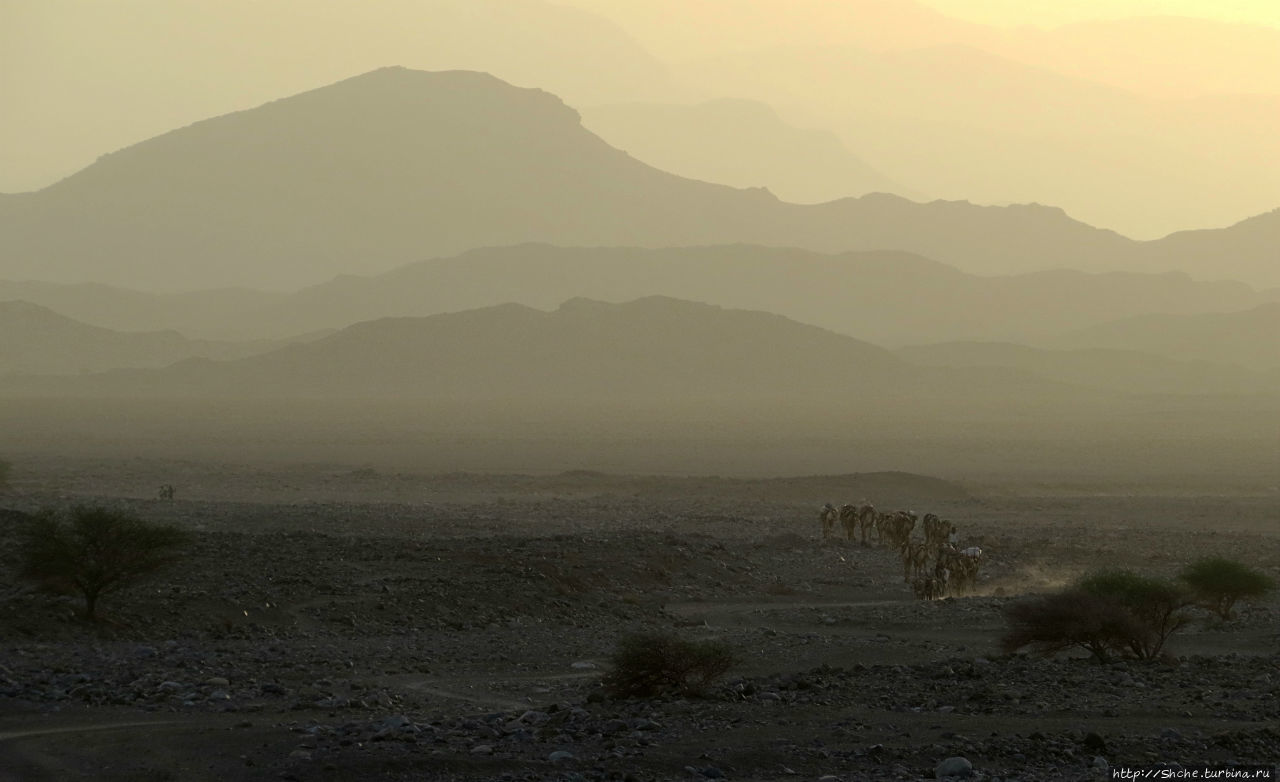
(1057, 12)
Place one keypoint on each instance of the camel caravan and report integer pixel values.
(954, 570)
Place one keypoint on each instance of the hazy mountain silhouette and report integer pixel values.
(888, 298)
(207, 314)
(1126, 371)
(653, 347)
(656, 349)
(397, 165)
(580, 56)
(739, 143)
(1249, 249)
(1146, 54)
(36, 340)
(957, 121)
(1250, 338)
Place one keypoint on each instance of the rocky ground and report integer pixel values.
(336, 624)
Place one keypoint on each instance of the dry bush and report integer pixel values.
(1158, 606)
(653, 664)
(1074, 618)
(96, 551)
(1220, 583)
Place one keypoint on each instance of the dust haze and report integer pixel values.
(456, 345)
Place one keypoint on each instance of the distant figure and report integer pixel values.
(829, 515)
(166, 492)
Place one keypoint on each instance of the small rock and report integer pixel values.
(711, 772)
(953, 767)
(561, 756)
(482, 749)
(1100, 763)
(584, 666)
(1170, 733)
(217, 681)
(1095, 742)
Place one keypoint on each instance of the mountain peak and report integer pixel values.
(395, 165)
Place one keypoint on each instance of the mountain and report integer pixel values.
(208, 314)
(889, 298)
(37, 341)
(653, 347)
(280, 48)
(1250, 338)
(739, 143)
(652, 351)
(1253, 243)
(1125, 371)
(958, 121)
(397, 165)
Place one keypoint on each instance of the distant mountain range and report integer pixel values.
(655, 349)
(37, 341)
(397, 165)
(888, 298)
(1250, 338)
(959, 121)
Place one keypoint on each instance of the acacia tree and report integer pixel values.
(1158, 606)
(96, 551)
(1054, 623)
(1220, 583)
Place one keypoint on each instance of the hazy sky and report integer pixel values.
(1056, 12)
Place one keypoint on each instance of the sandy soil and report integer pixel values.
(335, 623)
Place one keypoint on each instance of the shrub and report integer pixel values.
(1158, 606)
(1220, 583)
(1074, 618)
(652, 664)
(96, 551)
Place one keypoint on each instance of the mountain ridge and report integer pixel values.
(888, 297)
(36, 340)
(456, 160)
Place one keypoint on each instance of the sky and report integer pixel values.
(1058, 12)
